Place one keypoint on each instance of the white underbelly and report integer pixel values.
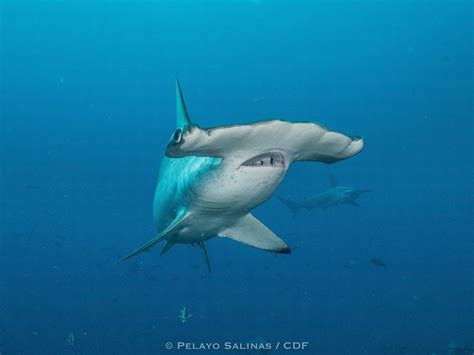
(238, 190)
(218, 199)
(200, 227)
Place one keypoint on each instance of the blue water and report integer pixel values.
(88, 106)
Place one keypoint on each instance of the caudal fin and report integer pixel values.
(333, 181)
(292, 205)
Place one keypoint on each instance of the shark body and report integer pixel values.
(184, 315)
(337, 195)
(211, 178)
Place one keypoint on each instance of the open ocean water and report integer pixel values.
(87, 108)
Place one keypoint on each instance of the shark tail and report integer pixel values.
(292, 205)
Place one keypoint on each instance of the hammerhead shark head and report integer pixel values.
(336, 195)
(211, 178)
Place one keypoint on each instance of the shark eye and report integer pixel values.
(177, 136)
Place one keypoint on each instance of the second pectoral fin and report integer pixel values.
(251, 231)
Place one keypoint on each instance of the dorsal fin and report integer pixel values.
(182, 118)
(333, 181)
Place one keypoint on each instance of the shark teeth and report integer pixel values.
(267, 160)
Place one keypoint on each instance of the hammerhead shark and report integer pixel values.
(211, 178)
(335, 196)
(184, 315)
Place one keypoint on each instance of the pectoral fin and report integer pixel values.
(180, 218)
(251, 231)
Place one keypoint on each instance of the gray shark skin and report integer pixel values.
(337, 195)
(211, 178)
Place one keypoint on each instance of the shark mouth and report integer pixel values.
(267, 160)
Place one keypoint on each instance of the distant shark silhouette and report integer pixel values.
(211, 178)
(335, 196)
(184, 315)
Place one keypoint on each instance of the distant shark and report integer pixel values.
(335, 196)
(211, 178)
(184, 315)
